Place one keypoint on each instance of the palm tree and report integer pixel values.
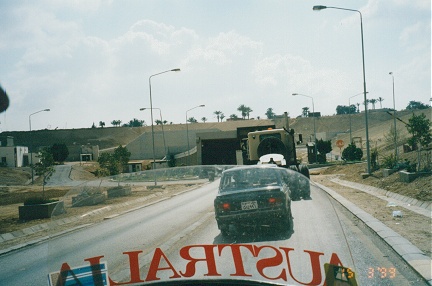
(218, 114)
(269, 113)
(222, 116)
(367, 102)
(204, 119)
(373, 101)
(248, 111)
(242, 108)
(245, 111)
(380, 99)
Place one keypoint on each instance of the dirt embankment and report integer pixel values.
(414, 227)
(420, 188)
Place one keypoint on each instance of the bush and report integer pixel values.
(352, 153)
(60, 152)
(321, 158)
(389, 162)
(406, 165)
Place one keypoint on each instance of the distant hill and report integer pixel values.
(110, 137)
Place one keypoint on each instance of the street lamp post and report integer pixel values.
(349, 110)
(163, 132)
(313, 111)
(320, 7)
(151, 115)
(394, 120)
(187, 131)
(31, 142)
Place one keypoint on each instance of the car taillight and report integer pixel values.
(272, 200)
(225, 206)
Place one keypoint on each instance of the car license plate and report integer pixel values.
(250, 205)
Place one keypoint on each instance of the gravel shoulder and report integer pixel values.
(414, 227)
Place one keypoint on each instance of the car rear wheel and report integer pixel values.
(306, 192)
(224, 229)
(285, 221)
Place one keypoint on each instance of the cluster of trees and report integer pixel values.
(416, 105)
(245, 112)
(418, 126)
(373, 101)
(113, 163)
(132, 123)
(344, 109)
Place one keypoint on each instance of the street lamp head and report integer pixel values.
(390, 73)
(143, 108)
(47, 109)
(202, 105)
(175, 70)
(319, 7)
(294, 94)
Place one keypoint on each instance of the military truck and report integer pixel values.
(278, 141)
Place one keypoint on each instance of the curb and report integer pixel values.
(405, 249)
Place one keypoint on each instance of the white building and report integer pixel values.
(12, 156)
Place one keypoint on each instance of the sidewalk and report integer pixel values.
(417, 259)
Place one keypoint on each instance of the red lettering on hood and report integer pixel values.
(209, 259)
(315, 263)
(154, 266)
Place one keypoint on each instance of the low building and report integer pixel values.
(12, 156)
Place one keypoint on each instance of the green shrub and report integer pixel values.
(406, 165)
(352, 153)
(389, 162)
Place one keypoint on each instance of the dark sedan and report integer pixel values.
(254, 195)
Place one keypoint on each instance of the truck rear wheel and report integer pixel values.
(305, 183)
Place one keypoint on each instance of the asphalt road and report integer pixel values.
(321, 229)
(61, 176)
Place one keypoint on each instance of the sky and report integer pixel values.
(93, 60)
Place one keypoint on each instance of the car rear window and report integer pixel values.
(249, 178)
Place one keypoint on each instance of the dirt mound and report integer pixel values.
(420, 188)
(11, 176)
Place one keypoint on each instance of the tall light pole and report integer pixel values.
(31, 142)
(349, 110)
(394, 120)
(163, 132)
(313, 111)
(187, 131)
(320, 7)
(151, 115)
